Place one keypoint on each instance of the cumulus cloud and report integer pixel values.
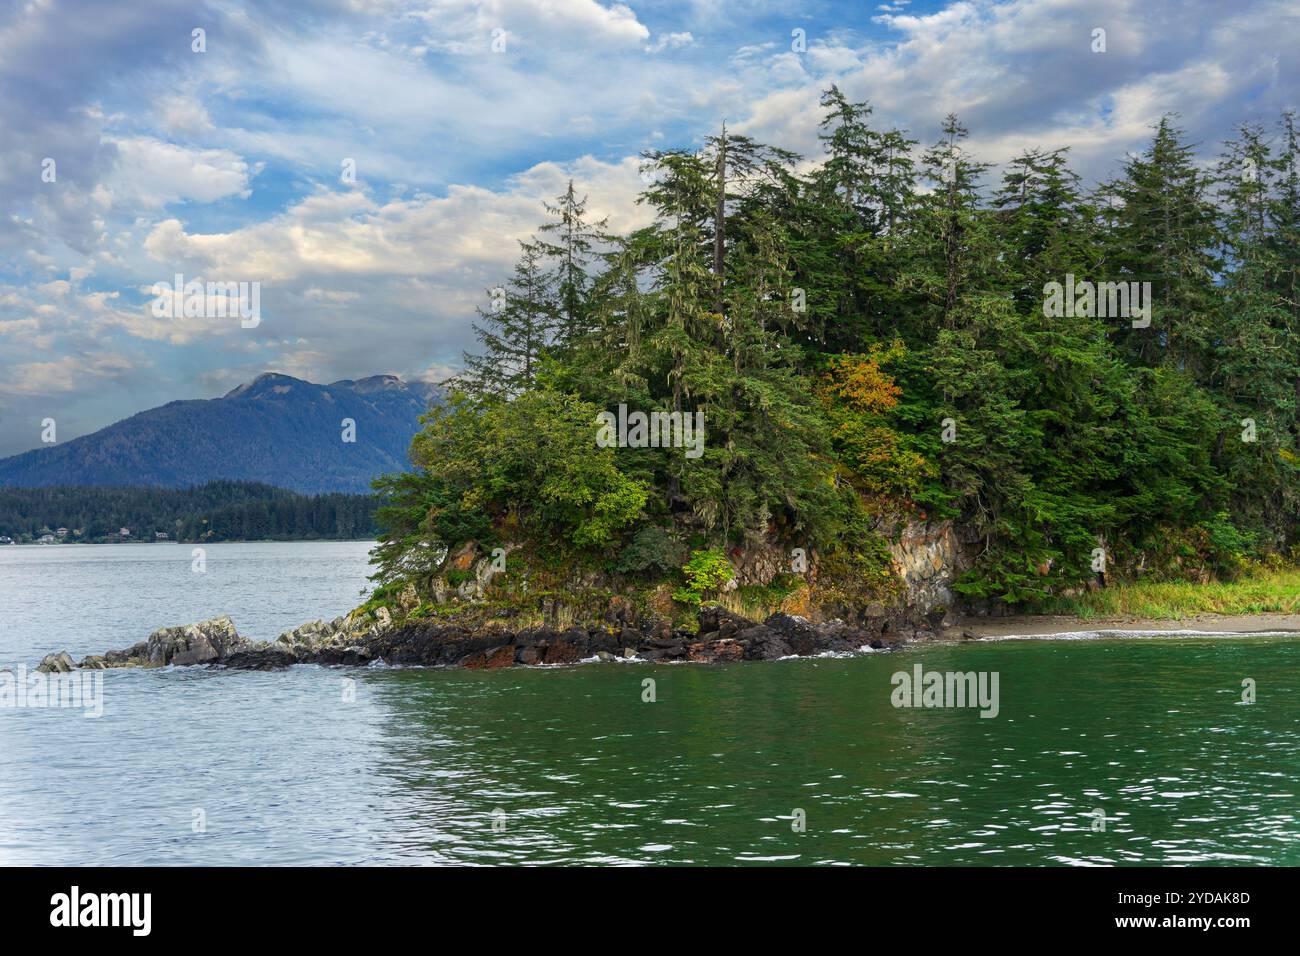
(333, 235)
(150, 172)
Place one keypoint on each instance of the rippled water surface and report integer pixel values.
(582, 769)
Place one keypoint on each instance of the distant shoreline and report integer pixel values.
(96, 544)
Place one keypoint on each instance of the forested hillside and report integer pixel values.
(277, 429)
(218, 511)
(893, 330)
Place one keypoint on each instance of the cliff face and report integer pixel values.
(914, 592)
(928, 557)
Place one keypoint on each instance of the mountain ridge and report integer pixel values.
(276, 429)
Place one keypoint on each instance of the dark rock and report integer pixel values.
(424, 645)
(562, 652)
(133, 655)
(724, 623)
(802, 637)
(357, 655)
(500, 656)
(716, 652)
(666, 650)
(601, 639)
(365, 638)
(267, 657)
(763, 644)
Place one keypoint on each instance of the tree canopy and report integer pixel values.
(873, 335)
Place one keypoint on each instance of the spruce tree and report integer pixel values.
(516, 329)
(571, 241)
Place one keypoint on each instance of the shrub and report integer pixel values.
(706, 571)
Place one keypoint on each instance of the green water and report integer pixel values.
(1153, 732)
(714, 771)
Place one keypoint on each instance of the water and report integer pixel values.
(1152, 731)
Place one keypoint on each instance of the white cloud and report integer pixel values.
(69, 373)
(464, 26)
(184, 114)
(150, 172)
(332, 235)
(670, 41)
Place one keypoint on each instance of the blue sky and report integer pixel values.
(226, 164)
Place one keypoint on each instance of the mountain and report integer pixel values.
(277, 429)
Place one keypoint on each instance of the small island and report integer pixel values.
(815, 410)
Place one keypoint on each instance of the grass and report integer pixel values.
(786, 592)
(1259, 590)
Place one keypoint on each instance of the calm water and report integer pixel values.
(583, 770)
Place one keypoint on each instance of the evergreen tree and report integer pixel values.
(1163, 230)
(571, 241)
(515, 332)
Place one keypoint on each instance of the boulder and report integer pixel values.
(763, 644)
(562, 652)
(717, 620)
(203, 643)
(801, 636)
(530, 655)
(133, 656)
(502, 656)
(60, 663)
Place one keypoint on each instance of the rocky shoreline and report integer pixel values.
(721, 637)
(350, 641)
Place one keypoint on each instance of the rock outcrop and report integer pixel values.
(60, 663)
(927, 558)
(356, 641)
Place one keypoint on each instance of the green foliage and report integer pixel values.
(869, 340)
(491, 470)
(705, 572)
(652, 547)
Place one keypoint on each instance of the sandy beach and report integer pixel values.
(1051, 625)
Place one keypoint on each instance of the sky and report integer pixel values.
(227, 163)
